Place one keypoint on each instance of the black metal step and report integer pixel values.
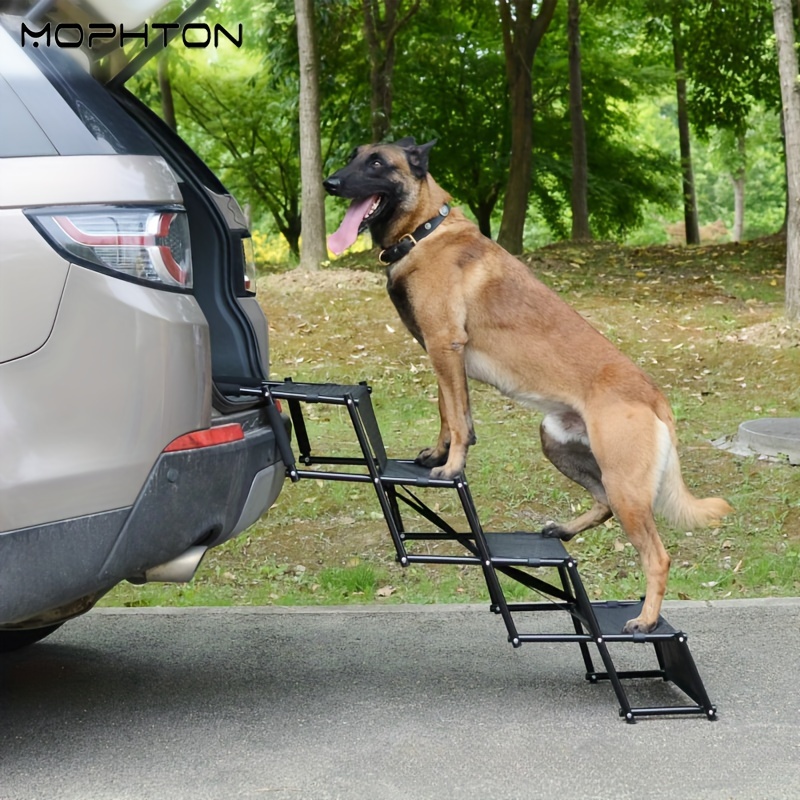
(611, 616)
(527, 549)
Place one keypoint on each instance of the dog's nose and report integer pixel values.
(332, 185)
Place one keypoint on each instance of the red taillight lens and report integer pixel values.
(221, 434)
(142, 243)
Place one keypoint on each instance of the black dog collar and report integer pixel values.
(407, 241)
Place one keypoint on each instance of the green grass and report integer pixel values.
(704, 322)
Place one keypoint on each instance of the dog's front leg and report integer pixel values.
(437, 455)
(456, 433)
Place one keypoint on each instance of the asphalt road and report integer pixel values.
(388, 704)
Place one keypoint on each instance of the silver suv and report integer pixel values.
(128, 321)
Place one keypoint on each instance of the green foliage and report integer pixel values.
(718, 158)
(238, 109)
(459, 98)
(731, 60)
(625, 172)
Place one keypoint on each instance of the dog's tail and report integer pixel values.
(675, 502)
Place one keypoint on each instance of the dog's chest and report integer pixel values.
(398, 294)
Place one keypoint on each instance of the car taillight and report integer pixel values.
(210, 437)
(143, 244)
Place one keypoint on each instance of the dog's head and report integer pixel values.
(382, 180)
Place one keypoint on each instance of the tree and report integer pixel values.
(689, 196)
(380, 32)
(460, 100)
(627, 173)
(522, 33)
(313, 250)
(579, 195)
(165, 87)
(246, 127)
(790, 93)
(731, 65)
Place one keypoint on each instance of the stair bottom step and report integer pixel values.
(612, 615)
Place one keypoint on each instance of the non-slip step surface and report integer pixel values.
(612, 615)
(406, 472)
(531, 549)
(317, 392)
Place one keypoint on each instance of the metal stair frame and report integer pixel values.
(391, 480)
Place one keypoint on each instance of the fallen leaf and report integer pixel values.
(385, 591)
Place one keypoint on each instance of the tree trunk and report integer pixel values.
(790, 96)
(165, 87)
(522, 34)
(738, 178)
(483, 215)
(313, 249)
(580, 169)
(689, 199)
(738, 207)
(381, 33)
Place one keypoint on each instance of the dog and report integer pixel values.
(480, 313)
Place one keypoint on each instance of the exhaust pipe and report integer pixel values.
(179, 570)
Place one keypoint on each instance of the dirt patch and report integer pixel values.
(321, 281)
(775, 334)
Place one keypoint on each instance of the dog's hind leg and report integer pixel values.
(566, 445)
(637, 521)
(626, 448)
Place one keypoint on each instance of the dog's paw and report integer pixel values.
(638, 626)
(554, 531)
(445, 474)
(431, 457)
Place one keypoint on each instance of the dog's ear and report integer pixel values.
(417, 156)
(406, 141)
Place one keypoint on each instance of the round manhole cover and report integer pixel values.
(773, 436)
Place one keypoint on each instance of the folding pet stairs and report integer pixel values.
(514, 555)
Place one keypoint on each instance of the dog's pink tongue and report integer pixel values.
(347, 232)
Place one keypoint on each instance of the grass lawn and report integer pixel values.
(705, 322)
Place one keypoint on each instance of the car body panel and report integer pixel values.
(32, 278)
(29, 182)
(126, 370)
(183, 502)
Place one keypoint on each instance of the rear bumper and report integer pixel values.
(203, 496)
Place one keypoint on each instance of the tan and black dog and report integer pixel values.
(480, 313)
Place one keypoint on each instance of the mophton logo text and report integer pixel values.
(70, 34)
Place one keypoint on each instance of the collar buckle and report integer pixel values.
(409, 240)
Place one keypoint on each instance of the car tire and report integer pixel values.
(11, 640)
